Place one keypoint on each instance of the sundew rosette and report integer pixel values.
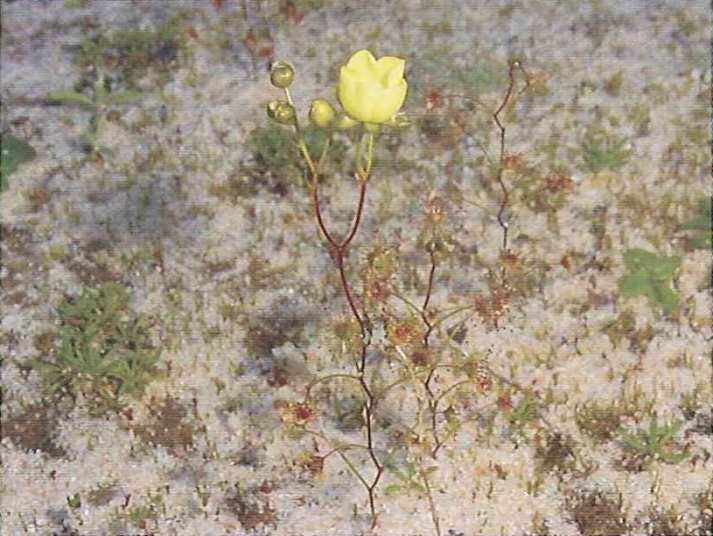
(371, 90)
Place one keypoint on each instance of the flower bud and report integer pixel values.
(281, 112)
(321, 113)
(281, 74)
(345, 122)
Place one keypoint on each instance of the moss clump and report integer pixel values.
(33, 429)
(601, 421)
(598, 515)
(555, 453)
(169, 428)
(102, 350)
(252, 507)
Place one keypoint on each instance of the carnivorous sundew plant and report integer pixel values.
(371, 92)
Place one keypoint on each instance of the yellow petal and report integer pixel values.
(389, 102)
(390, 70)
(361, 61)
(372, 91)
(396, 75)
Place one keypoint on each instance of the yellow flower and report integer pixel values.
(372, 91)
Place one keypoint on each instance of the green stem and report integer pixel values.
(324, 151)
(431, 503)
(359, 151)
(390, 386)
(346, 446)
(343, 456)
(454, 312)
(329, 377)
(407, 302)
(370, 155)
(451, 388)
(307, 157)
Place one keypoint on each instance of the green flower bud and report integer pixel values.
(281, 74)
(344, 122)
(281, 112)
(321, 113)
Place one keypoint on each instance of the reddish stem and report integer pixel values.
(429, 290)
(339, 250)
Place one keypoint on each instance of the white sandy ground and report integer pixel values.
(215, 100)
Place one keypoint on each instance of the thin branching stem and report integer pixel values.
(496, 117)
(427, 299)
(330, 377)
(338, 249)
(431, 503)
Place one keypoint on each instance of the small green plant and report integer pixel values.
(601, 151)
(409, 477)
(654, 443)
(526, 411)
(650, 275)
(128, 55)
(98, 100)
(700, 226)
(273, 148)
(14, 152)
(275, 151)
(102, 350)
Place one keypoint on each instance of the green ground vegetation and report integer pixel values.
(650, 275)
(102, 350)
(14, 152)
(655, 443)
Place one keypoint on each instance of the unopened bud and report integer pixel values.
(321, 113)
(281, 74)
(281, 112)
(344, 122)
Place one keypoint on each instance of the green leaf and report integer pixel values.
(699, 222)
(74, 501)
(650, 275)
(14, 152)
(392, 489)
(667, 298)
(701, 225)
(635, 284)
(66, 96)
(124, 97)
